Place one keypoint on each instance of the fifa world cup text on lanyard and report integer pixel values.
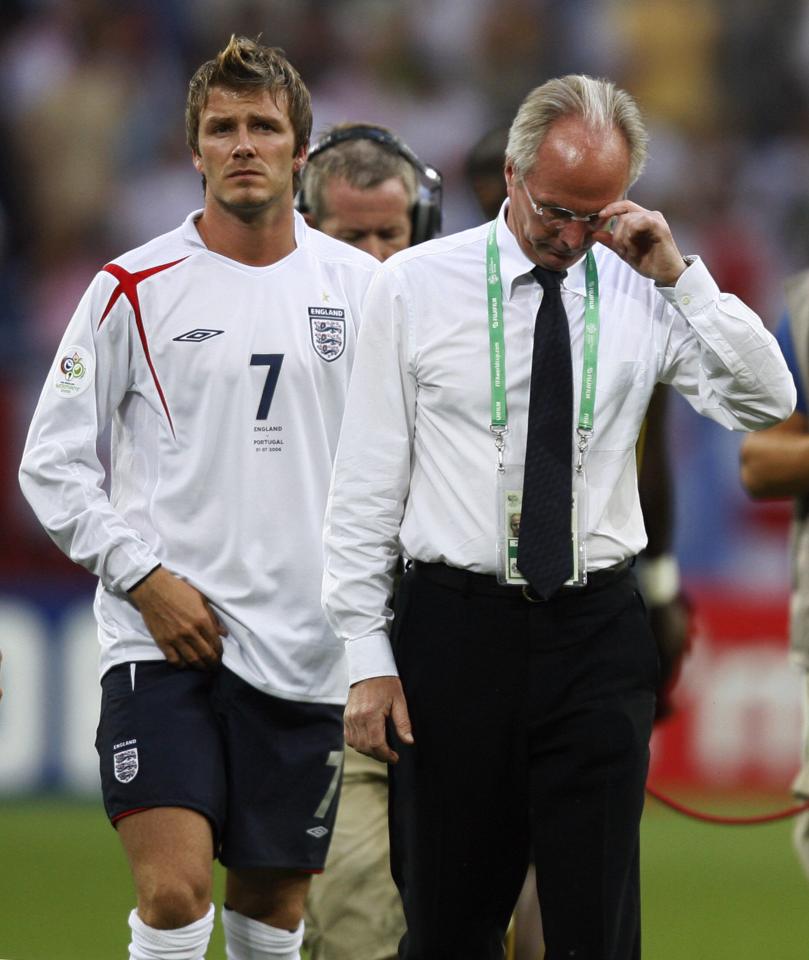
(510, 478)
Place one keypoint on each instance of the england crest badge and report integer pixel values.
(125, 764)
(328, 328)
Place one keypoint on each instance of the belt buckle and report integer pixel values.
(530, 594)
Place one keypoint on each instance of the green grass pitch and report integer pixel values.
(710, 893)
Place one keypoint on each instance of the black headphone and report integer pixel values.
(426, 213)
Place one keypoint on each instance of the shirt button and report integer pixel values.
(685, 300)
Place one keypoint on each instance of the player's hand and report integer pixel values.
(180, 619)
(671, 626)
(370, 703)
(643, 239)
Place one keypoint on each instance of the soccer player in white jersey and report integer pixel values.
(220, 353)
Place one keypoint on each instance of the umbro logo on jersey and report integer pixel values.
(328, 328)
(198, 335)
(317, 832)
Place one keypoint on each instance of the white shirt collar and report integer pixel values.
(190, 231)
(192, 234)
(515, 266)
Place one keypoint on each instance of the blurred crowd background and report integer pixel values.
(93, 162)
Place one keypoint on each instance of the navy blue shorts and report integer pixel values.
(264, 771)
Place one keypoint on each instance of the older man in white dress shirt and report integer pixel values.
(515, 697)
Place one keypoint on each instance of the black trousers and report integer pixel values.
(531, 725)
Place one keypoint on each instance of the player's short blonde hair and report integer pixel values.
(246, 64)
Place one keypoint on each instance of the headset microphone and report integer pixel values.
(426, 214)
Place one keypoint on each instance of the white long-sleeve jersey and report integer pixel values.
(225, 385)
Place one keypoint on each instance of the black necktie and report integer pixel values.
(545, 553)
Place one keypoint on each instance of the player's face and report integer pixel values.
(247, 150)
(575, 169)
(376, 220)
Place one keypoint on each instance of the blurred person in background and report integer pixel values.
(363, 185)
(221, 353)
(530, 675)
(775, 464)
(484, 170)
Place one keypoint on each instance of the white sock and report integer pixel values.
(247, 939)
(185, 943)
(800, 839)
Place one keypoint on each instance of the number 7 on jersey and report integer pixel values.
(273, 362)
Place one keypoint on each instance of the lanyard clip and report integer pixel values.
(583, 442)
(499, 443)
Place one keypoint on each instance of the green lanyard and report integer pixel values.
(497, 351)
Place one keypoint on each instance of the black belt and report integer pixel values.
(466, 581)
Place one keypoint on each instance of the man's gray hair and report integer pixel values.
(599, 103)
(364, 163)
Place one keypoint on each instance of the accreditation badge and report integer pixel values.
(578, 530)
(509, 513)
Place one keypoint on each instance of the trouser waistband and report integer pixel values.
(467, 581)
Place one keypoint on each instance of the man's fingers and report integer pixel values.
(220, 630)
(171, 655)
(200, 645)
(604, 237)
(401, 720)
(612, 242)
(378, 748)
(208, 638)
(189, 655)
(370, 703)
(385, 754)
(181, 620)
(193, 652)
(369, 738)
(211, 634)
(205, 650)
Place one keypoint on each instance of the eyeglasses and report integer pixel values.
(557, 217)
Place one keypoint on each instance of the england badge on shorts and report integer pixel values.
(125, 764)
(328, 328)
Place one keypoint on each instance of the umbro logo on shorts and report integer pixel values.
(198, 335)
(317, 832)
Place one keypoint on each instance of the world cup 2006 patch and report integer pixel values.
(328, 328)
(74, 371)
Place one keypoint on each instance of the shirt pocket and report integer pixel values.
(622, 397)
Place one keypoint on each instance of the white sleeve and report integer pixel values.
(61, 475)
(370, 482)
(721, 357)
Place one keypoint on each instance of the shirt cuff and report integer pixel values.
(695, 289)
(370, 656)
(126, 565)
(144, 577)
